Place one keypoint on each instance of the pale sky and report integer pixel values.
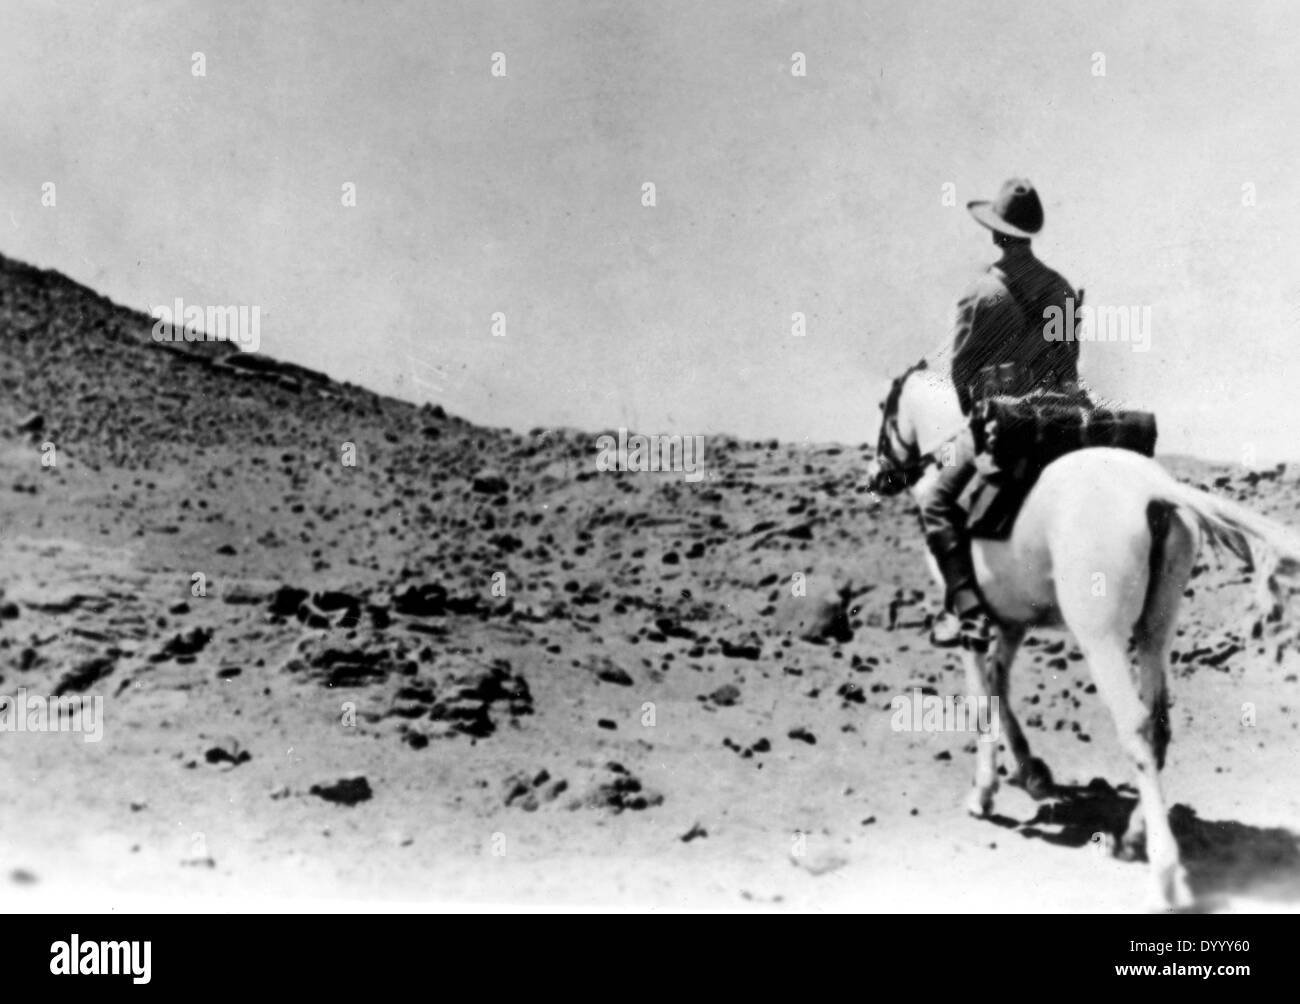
(775, 193)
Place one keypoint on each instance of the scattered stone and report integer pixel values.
(355, 666)
(851, 693)
(34, 422)
(623, 792)
(346, 791)
(726, 695)
(556, 790)
(477, 692)
(428, 600)
(227, 751)
(241, 594)
(184, 646)
(740, 650)
(819, 616)
(334, 600)
(517, 787)
(614, 674)
(286, 600)
(86, 673)
(490, 484)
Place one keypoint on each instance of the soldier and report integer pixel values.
(1000, 321)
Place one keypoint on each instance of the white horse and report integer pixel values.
(1104, 545)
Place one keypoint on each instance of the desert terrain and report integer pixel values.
(471, 671)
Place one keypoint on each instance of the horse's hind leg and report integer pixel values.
(1153, 635)
(1135, 723)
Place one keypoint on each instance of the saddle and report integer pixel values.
(1017, 437)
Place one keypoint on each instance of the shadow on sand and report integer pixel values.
(1223, 858)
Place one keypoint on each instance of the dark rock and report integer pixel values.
(490, 484)
(83, 675)
(726, 695)
(347, 791)
(740, 651)
(33, 423)
(234, 756)
(614, 674)
(187, 643)
(851, 693)
(428, 600)
(335, 599)
(286, 600)
(241, 594)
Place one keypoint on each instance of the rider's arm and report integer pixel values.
(985, 317)
(1065, 353)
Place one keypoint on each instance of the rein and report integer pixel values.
(896, 474)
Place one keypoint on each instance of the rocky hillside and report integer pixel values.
(351, 646)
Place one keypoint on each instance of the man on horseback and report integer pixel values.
(998, 345)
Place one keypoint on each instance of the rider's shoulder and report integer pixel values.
(1050, 277)
(987, 288)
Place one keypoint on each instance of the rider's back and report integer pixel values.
(1002, 319)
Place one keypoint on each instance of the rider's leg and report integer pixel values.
(944, 523)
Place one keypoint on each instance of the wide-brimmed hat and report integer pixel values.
(1016, 211)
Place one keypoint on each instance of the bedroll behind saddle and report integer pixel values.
(1022, 435)
(1019, 436)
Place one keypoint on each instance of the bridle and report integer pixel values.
(893, 473)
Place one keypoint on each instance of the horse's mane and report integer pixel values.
(890, 404)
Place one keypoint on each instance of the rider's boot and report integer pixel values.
(946, 630)
(962, 600)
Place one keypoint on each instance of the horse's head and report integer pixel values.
(898, 463)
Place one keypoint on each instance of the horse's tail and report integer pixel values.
(1266, 547)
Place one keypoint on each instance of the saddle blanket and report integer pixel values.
(1017, 437)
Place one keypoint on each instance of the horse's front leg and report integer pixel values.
(979, 685)
(1031, 773)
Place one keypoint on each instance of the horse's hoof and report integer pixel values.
(1172, 890)
(1036, 779)
(1179, 889)
(980, 802)
(1132, 848)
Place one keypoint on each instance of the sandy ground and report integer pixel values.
(561, 688)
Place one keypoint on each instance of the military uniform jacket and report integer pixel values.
(1001, 319)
